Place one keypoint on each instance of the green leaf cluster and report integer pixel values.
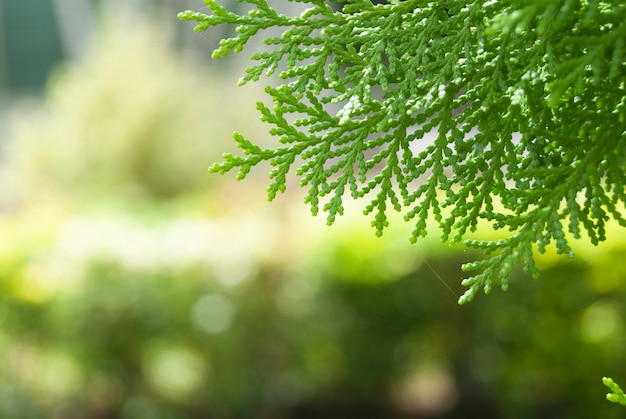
(512, 112)
(616, 395)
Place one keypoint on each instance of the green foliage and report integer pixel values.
(524, 104)
(166, 311)
(617, 395)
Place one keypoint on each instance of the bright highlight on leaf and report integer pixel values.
(526, 102)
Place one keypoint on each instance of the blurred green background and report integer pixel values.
(134, 285)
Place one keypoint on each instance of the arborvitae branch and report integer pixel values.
(526, 101)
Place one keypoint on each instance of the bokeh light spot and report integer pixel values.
(174, 372)
(213, 313)
(600, 322)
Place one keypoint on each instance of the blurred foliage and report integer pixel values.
(133, 287)
(115, 316)
(132, 121)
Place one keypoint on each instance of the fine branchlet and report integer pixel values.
(616, 395)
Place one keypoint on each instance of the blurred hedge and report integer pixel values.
(133, 121)
(132, 286)
(184, 317)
